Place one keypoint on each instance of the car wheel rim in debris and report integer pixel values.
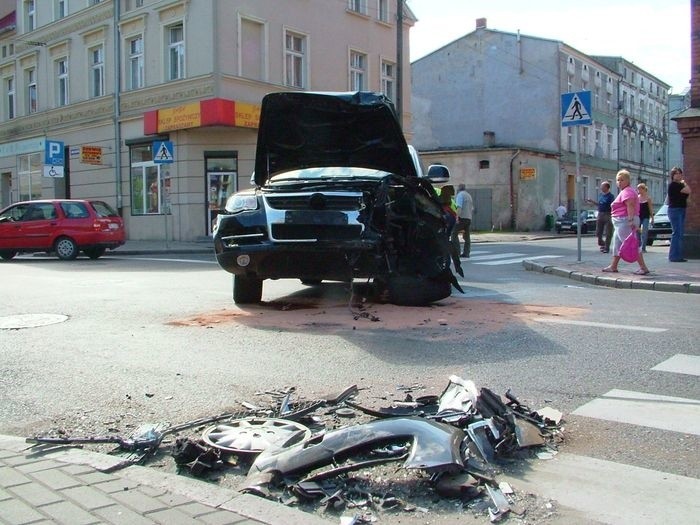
(253, 435)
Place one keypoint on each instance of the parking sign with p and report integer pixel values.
(53, 159)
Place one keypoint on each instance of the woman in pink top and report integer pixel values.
(625, 218)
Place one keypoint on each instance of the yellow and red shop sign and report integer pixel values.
(528, 173)
(180, 117)
(91, 155)
(246, 115)
(211, 112)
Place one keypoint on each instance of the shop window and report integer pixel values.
(484, 164)
(29, 176)
(150, 183)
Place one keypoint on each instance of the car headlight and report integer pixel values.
(238, 203)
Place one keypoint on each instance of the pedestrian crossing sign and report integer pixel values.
(576, 108)
(163, 152)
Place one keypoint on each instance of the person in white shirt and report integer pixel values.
(465, 210)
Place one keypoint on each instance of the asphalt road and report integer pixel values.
(158, 339)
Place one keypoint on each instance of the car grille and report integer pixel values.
(315, 201)
(661, 225)
(324, 232)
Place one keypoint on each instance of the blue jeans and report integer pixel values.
(677, 218)
(644, 234)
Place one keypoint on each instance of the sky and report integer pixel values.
(652, 34)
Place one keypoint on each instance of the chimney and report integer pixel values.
(489, 139)
(481, 23)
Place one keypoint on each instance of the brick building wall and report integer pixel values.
(689, 127)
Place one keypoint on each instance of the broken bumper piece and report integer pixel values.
(435, 447)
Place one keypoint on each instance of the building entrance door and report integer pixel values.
(221, 180)
(220, 189)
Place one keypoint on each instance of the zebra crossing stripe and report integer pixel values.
(518, 260)
(648, 410)
(619, 493)
(495, 256)
(681, 364)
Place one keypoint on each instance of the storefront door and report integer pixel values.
(221, 182)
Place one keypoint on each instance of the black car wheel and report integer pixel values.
(246, 290)
(7, 255)
(584, 229)
(650, 242)
(66, 249)
(311, 282)
(406, 290)
(558, 229)
(94, 253)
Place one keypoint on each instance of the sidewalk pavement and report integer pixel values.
(48, 485)
(665, 276)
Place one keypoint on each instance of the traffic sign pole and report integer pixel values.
(576, 198)
(576, 111)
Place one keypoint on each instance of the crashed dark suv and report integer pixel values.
(337, 196)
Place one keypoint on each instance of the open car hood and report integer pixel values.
(303, 129)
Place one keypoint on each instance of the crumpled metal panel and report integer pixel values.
(435, 446)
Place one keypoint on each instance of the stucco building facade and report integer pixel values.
(111, 80)
(489, 105)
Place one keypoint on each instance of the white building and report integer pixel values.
(489, 105)
(109, 79)
(643, 112)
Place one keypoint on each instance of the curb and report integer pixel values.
(612, 282)
(174, 251)
(246, 506)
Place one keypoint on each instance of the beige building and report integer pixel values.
(155, 103)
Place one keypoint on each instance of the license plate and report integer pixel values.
(320, 218)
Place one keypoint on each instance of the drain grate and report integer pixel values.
(19, 321)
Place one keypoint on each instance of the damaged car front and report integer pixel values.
(336, 197)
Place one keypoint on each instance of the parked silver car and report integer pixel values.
(661, 229)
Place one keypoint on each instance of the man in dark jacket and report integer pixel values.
(603, 222)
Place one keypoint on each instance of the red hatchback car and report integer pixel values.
(60, 226)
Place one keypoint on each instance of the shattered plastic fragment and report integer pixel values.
(551, 414)
(460, 394)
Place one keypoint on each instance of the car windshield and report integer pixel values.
(663, 210)
(103, 209)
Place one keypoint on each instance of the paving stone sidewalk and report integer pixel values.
(47, 485)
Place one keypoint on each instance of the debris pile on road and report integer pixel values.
(303, 452)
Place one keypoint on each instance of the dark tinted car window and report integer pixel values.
(75, 210)
(103, 209)
(16, 213)
(40, 212)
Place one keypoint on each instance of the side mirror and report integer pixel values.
(437, 173)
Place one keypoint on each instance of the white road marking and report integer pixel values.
(495, 256)
(555, 320)
(518, 260)
(681, 364)
(195, 261)
(648, 410)
(621, 494)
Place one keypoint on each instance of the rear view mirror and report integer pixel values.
(438, 173)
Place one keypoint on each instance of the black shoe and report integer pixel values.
(678, 260)
(464, 255)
